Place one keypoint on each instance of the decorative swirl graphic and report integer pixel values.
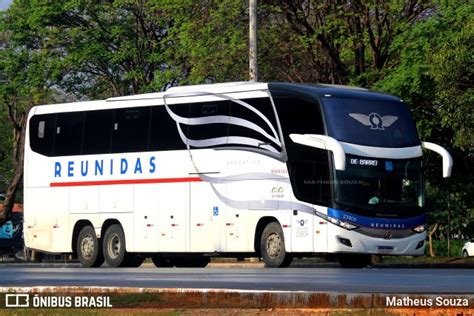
(226, 119)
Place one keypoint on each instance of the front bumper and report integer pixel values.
(358, 243)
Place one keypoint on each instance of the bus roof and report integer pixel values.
(319, 90)
(327, 90)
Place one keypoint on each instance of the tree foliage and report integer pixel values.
(97, 49)
(25, 72)
(434, 74)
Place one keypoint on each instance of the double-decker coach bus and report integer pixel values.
(274, 170)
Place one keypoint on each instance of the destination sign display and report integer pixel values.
(381, 164)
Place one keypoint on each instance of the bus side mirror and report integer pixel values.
(326, 143)
(447, 159)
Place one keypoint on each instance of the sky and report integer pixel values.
(5, 4)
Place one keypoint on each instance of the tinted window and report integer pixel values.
(370, 122)
(97, 132)
(130, 129)
(309, 173)
(164, 131)
(42, 132)
(208, 124)
(68, 131)
(259, 128)
(298, 117)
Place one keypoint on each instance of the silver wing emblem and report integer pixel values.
(388, 120)
(361, 118)
(374, 120)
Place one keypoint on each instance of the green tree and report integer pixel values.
(23, 84)
(208, 40)
(434, 75)
(101, 49)
(338, 42)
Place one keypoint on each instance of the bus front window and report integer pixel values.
(380, 185)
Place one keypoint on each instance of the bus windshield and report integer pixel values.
(382, 185)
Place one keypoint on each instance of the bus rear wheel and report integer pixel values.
(272, 247)
(355, 261)
(114, 247)
(89, 251)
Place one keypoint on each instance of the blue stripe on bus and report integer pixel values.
(373, 222)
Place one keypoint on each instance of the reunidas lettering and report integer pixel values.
(105, 167)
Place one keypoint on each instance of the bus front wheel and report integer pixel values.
(114, 247)
(272, 247)
(89, 251)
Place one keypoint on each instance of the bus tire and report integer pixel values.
(354, 261)
(89, 250)
(272, 247)
(114, 247)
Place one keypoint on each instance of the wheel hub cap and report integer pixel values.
(114, 246)
(273, 245)
(87, 246)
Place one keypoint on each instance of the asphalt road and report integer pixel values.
(406, 281)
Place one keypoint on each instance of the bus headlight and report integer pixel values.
(342, 224)
(420, 229)
(347, 225)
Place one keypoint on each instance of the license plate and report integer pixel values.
(384, 249)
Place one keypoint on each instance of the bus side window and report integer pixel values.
(298, 116)
(69, 127)
(267, 123)
(42, 130)
(164, 131)
(206, 112)
(309, 174)
(97, 132)
(130, 130)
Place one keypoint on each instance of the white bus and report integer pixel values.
(241, 169)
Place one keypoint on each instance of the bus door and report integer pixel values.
(310, 182)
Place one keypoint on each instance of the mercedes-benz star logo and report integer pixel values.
(374, 120)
